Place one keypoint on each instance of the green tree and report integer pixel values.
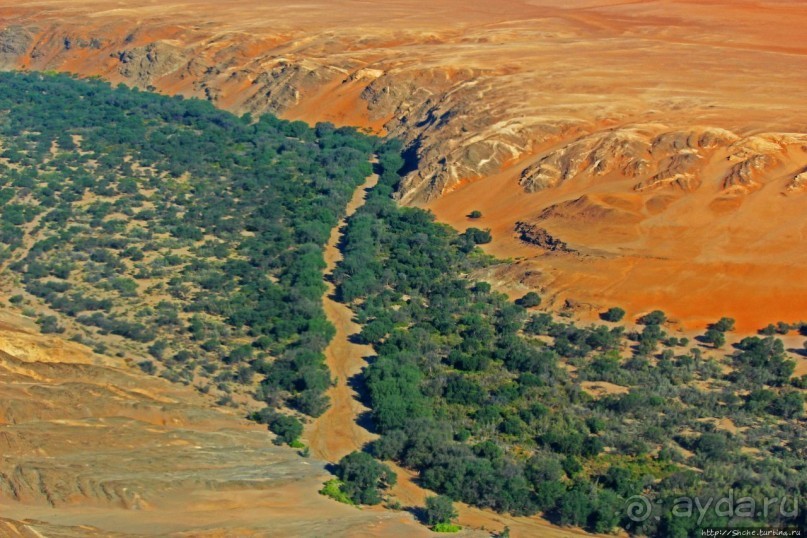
(613, 314)
(529, 300)
(715, 337)
(724, 325)
(364, 477)
(439, 509)
(575, 506)
(789, 405)
(607, 512)
(287, 428)
(656, 317)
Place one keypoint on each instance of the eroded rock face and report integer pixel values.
(798, 183)
(657, 159)
(144, 64)
(14, 42)
(539, 237)
(471, 89)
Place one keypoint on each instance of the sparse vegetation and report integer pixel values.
(149, 224)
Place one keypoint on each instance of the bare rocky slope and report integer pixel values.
(667, 137)
(472, 87)
(91, 448)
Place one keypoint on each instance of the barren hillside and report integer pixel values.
(90, 447)
(664, 139)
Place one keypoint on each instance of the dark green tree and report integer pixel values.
(439, 509)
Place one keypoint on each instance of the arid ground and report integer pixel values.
(92, 448)
(648, 154)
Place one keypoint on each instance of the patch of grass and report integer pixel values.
(447, 527)
(297, 444)
(333, 488)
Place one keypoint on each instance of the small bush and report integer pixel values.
(656, 317)
(333, 488)
(530, 300)
(363, 477)
(439, 511)
(724, 325)
(288, 429)
(147, 367)
(613, 314)
(447, 527)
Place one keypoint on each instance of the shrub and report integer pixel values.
(287, 428)
(724, 325)
(656, 317)
(475, 214)
(439, 510)
(477, 236)
(789, 405)
(363, 477)
(529, 300)
(714, 337)
(613, 314)
(49, 325)
(147, 367)
(334, 488)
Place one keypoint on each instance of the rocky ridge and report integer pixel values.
(486, 91)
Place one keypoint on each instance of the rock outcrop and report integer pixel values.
(14, 42)
(144, 64)
(539, 237)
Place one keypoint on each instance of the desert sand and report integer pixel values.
(337, 432)
(93, 448)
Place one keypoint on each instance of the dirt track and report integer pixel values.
(336, 433)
